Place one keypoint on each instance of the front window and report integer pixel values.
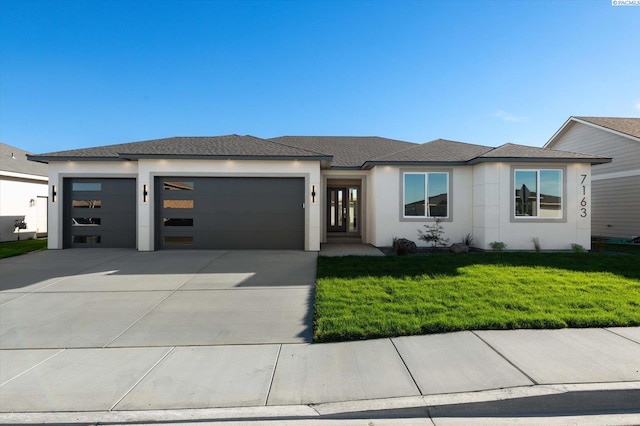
(426, 194)
(538, 194)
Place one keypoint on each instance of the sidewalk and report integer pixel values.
(526, 374)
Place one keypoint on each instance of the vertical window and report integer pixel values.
(538, 194)
(426, 194)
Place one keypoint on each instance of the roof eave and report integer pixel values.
(225, 157)
(48, 158)
(593, 161)
(368, 165)
(572, 120)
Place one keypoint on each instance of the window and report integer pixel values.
(426, 194)
(86, 221)
(86, 204)
(180, 241)
(87, 186)
(177, 204)
(172, 221)
(86, 239)
(178, 186)
(538, 193)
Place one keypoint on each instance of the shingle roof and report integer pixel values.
(629, 125)
(19, 164)
(342, 151)
(513, 151)
(218, 146)
(439, 150)
(347, 151)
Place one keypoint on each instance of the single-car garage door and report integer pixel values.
(100, 213)
(230, 213)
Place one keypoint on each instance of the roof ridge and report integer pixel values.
(290, 146)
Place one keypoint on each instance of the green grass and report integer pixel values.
(16, 248)
(371, 297)
(622, 248)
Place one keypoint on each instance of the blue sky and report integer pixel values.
(86, 73)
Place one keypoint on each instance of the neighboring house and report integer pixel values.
(23, 195)
(242, 192)
(615, 187)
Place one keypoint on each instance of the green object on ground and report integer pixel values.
(16, 248)
(363, 298)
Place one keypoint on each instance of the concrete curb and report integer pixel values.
(392, 409)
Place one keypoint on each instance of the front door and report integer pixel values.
(337, 210)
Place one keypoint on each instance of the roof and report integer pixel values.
(347, 151)
(352, 152)
(438, 151)
(14, 160)
(229, 146)
(628, 127)
(513, 152)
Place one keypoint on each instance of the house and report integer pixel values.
(291, 192)
(23, 195)
(615, 186)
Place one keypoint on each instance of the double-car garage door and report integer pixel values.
(191, 212)
(230, 213)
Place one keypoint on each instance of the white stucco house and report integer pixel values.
(615, 186)
(243, 192)
(23, 195)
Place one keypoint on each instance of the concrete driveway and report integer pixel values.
(94, 298)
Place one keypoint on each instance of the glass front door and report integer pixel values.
(342, 210)
(337, 210)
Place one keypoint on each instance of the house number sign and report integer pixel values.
(583, 202)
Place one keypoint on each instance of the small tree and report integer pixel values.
(434, 234)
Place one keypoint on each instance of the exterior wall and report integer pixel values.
(492, 210)
(591, 140)
(616, 207)
(385, 206)
(21, 197)
(616, 185)
(146, 170)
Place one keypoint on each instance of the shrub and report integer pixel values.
(536, 245)
(434, 234)
(577, 248)
(467, 240)
(497, 246)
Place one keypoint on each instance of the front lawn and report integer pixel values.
(15, 248)
(371, 297)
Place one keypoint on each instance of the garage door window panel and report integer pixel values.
(178, 186)
(86, 186)
(175, 221)
(86, 204)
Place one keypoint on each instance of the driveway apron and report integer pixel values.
(122, 298)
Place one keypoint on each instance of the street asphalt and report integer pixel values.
(118, 336)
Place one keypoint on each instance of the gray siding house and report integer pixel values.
(615, 186)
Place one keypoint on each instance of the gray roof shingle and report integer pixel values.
(522, 152)
(347, 151)
(191, 146)
(342, 151)
(629, 126)
(437, 151)
(19, 164)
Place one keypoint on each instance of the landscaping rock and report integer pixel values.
(460, 248)
(406, 246)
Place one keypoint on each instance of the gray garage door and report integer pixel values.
(230, 213)
(100, 213)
